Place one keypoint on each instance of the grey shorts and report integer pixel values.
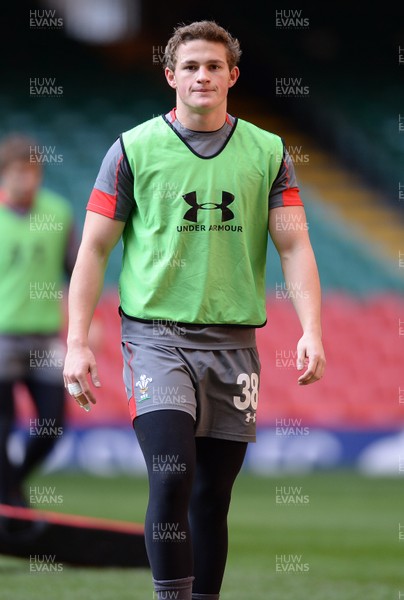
(31, 357)
(218, 388)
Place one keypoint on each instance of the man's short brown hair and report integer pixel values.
(202, 30)
(16, 147)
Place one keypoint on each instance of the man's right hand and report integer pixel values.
(100, 235)
(79, 362)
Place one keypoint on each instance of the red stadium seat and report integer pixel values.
(360, 389)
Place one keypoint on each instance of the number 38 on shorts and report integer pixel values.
(249, 392)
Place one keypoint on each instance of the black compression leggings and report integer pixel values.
(190, 482)
(49, 400)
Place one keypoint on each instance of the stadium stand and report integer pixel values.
(360, 286)
(353, 162)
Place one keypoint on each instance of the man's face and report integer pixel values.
(21, 180)
(201, 77)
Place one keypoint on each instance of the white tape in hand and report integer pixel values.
(75, 390)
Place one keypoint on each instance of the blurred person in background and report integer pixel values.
(38, 251)
(193, 193)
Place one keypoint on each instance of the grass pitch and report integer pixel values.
(323, 536)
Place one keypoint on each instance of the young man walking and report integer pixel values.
(192, 194)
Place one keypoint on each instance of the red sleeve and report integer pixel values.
(285, 191)
(112, 195)
(102, 203)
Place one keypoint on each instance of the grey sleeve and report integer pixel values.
(112, 195)
(285, 191)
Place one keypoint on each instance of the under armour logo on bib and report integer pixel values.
(192, 213)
